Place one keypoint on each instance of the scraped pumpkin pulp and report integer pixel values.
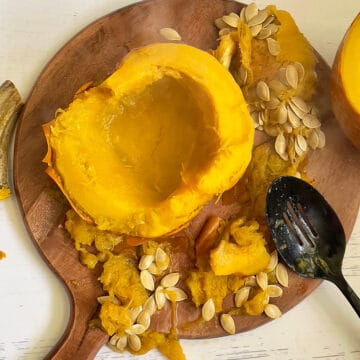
(142, 152)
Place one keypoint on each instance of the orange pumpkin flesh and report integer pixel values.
(345, 89)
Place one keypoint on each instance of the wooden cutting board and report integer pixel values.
(92, 55)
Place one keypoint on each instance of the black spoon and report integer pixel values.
(307, 233)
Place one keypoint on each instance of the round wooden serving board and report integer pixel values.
(92, 55)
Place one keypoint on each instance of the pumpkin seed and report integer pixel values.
(300, 69)
(264, 33)
(134, 342)
(272, 262)
(170, 34)
(175, 294)
(272, 27)
(251, 11)
(299, 113)
(121, 343)
(170, 280)
(144, 319)
(230, 20)
(147, 280)
(321, 136)
(160, 298)
(102, 299)
(281, 114)
(224, 31)
(281, 74)
(154, 269)
(298, 149)
(280, 144)
(274, 291)
(273, 46)
(262, 117)
(277, 86)
(234, 15)
(113, 340)
(134, 312)
(227, 323)
(272, 311)
(282, 275)
(284, 156)
(250, 281)
(161, 258)
(220, 24)
(301, 141)
(150, 305)
(311, 121)
(273, 103)
(242, 295)
(259, 18)
(292, 76)
(136, 329)
(263, 91)
(313, 139)
(300, 103)
(242, 15)
(145, 261)
(243, 74)
(293, 118)
(268, 21)
(255, 30)
(262, 280)
(208, 310)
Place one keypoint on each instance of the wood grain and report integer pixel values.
(92, 55)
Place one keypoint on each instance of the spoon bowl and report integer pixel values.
(307, 232)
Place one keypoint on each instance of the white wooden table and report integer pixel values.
(34, 307)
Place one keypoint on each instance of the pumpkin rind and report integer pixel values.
(110, 157)
(345, 94)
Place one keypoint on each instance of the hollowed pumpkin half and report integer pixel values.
(144, 151)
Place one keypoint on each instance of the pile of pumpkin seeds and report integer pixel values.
(272, 281)
(151, 267)
(262, 24)
(293, 122)
(140, 322)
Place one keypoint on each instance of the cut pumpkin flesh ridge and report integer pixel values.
(144, 151)
(345, 90)
(349, 67)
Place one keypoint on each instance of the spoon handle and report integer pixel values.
(348, 292)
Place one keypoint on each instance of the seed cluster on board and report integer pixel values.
(151, 268)
(271, 281)
(274, 103)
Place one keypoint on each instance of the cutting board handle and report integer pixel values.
(80, 342)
